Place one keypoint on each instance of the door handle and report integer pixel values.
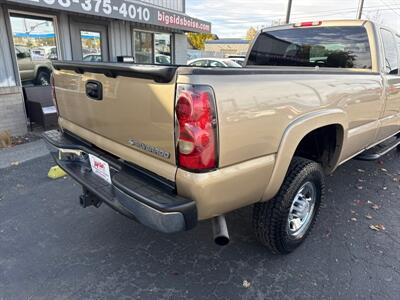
(94, 90)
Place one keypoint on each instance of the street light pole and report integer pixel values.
(288, 12)
(360, 9)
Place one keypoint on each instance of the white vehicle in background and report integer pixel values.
(162, 59)
(238, 59)
(214, 63)
(93, 57)
(38, 54)
(44, 52)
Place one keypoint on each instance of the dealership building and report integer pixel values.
(34, 32)
(228, 46)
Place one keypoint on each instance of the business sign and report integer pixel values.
(128, 10)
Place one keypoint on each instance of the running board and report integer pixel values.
(378, 151)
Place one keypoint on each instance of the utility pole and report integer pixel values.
(360, 9)
(288, 12)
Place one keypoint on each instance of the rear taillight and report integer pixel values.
(196, 130)
(53, 91)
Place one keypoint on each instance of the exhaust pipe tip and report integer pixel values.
(220, 231)
(222, 240)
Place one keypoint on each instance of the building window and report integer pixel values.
(35, 43)
(91, 46)
(162, 42)
(143, 47)
(153, 48)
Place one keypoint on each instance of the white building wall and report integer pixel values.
(181, 45)
(7, 75)
(120, 39)
(64, 36)
(177, 5)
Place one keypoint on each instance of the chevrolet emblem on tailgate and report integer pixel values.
(150, 149)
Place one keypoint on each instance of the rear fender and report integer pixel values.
(292, 137)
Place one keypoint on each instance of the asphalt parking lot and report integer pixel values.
(50, 248)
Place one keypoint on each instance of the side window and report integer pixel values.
(216, 64)
(200, 63)
(391, 56)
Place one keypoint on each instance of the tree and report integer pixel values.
(197, 40)
(251, 34)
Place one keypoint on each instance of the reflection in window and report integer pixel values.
(333, 47)
(143, 47)
(91, 46)
(216, 64)
(391, 56)
(162, 48)
(35, 45)
(200, 63)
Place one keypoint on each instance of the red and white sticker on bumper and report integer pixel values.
(100, 168)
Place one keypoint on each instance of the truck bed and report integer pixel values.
(137, 111)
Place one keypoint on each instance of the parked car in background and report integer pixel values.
(92, 57)
(240, 59)
(44, 52)
(214, 63)
(30, 70)
(162, 59)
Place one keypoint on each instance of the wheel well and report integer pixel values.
(322, 145)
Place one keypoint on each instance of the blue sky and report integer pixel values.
(232, 18)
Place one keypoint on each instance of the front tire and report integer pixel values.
(283, 223)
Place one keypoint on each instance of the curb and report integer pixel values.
(22, 153)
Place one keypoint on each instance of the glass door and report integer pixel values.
(89, 42)
(35, 42)
(152, 48)
(143, 47)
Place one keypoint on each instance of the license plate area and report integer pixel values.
(100, 168)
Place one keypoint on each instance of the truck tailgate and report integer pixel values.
(134, 118)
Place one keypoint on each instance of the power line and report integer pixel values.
(326, 13)
(390, 7)
(393, 3)
(337, 11)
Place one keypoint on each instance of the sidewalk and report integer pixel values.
(22, 153)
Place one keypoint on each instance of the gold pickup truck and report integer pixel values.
(169, 146)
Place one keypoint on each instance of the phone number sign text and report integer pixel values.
(125, 10)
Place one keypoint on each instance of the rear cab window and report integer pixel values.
(331, 47)
(391, 52)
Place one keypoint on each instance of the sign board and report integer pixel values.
(128, 10)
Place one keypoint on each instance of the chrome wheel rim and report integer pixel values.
(302, 211)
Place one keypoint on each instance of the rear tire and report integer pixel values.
(283, 223)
